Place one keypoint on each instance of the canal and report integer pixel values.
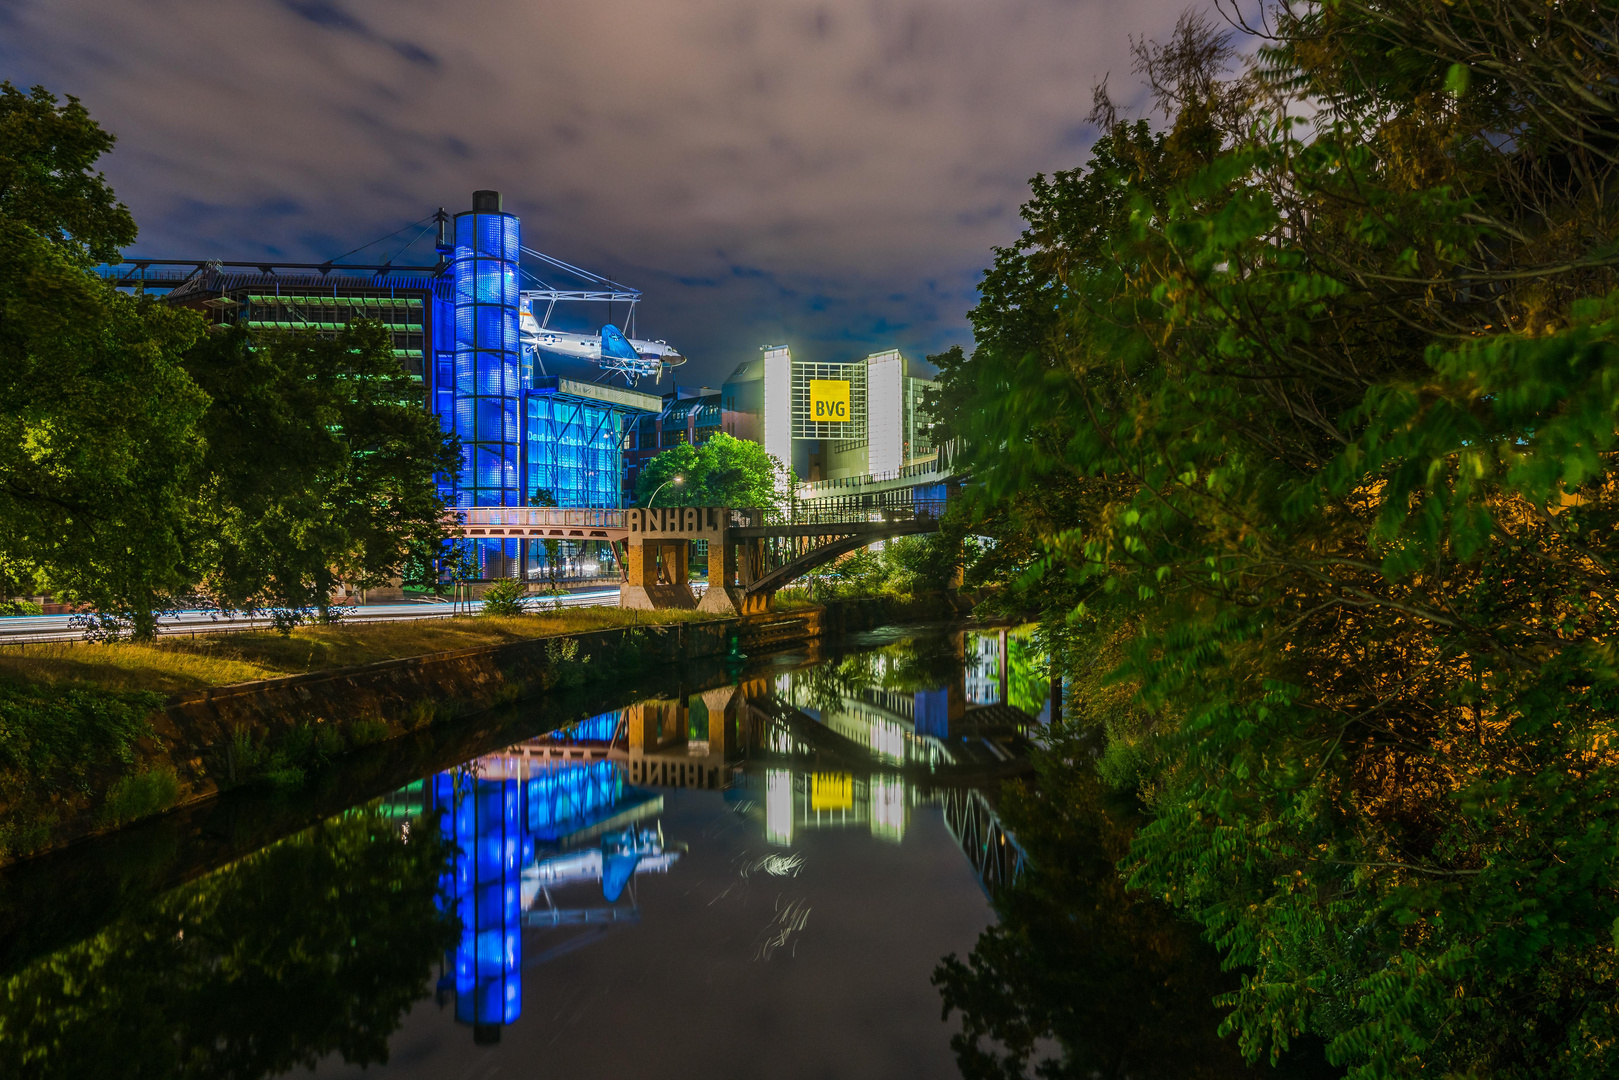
(786, 868)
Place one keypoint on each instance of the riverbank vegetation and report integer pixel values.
(172, 665)
(906, 568)
(1294, 409)
(148, 462)
(333, 932)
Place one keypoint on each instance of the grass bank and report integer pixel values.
(179, 664)
(94, 736)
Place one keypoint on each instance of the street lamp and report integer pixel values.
(676, 480)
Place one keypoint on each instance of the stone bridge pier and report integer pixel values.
(752, 553)
(658, 560)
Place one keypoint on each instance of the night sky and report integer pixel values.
(829, 175)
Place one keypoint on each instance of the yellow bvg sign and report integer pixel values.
(829, 401)
(831, 791)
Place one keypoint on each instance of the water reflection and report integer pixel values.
(548, 835)
(717, 828)
(538, 841)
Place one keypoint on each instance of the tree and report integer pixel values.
(553, 548)
(319, 466)
(332, 932)
(1334, 404)
(724, 471)
(98, 433)
(657, 478)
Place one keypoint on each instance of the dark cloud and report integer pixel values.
(829, 174)
(327, 14)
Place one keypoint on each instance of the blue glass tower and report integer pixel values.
(488, 388)
(485, 892)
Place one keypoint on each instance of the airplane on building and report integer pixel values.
(609, 350)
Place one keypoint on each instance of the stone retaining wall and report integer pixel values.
(218, 738)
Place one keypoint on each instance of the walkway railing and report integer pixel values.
(896, 505)
(941, 464)
(539, 517)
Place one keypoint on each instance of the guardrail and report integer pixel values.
(538, 517)
(853, 509)
(941, 464)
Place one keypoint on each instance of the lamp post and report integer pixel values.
(676, 480)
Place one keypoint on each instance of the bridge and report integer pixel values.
(753, 553)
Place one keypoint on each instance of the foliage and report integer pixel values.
(724, 471)
(288, 757)
(141, 458)
(904, 568)
(98, 431)
(56, 743)
(140, 794)
(52, 738)
(319, 466)
(13, 608)
(1077, 977)
(1306, 427)
(314, 946)
(568, 668)
(505, 598)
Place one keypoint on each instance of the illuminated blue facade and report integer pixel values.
(484, 889)
(573, 449)
(487, 361)
(498, 828)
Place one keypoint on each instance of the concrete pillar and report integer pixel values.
(640, 563)
(1004, 653)
(656, 576)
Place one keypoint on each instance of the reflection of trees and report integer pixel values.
(1078, 978)
(315, 945)
(903, 667)
(1028, 674)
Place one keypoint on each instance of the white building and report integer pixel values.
(830, 421)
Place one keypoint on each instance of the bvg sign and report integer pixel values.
(829, 401)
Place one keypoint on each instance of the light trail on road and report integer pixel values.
(25, 629)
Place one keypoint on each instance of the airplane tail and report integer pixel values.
(616, 345)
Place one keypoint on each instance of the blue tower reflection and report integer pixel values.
(520, 829)
(485, 890)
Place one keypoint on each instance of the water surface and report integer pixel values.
(752, 872)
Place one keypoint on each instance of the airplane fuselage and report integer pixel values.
(589, 346)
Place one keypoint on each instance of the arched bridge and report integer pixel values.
(751, 553)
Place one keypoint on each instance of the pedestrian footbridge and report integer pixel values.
(752, 553)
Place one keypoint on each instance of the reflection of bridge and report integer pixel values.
(550, 834)
(752, 553)
(527, 831)
(977, 830)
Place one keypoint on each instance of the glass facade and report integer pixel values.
(455, 328)
(573, 450)
(484, 890)
(487, 368)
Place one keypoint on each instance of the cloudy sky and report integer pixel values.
(832, 175)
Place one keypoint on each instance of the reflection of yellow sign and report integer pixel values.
(829, 401)
(830, 790)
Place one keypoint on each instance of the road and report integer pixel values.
(27, 628)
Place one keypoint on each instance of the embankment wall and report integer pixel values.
(223, 737)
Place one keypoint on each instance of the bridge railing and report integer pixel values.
(884, 506)
(942, 463)
(538, 517)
